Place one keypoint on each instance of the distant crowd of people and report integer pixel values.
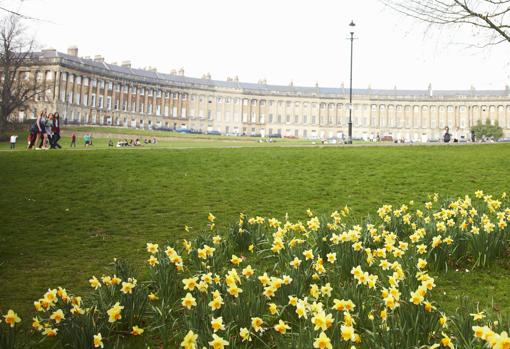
(132, 143)
(44, 133)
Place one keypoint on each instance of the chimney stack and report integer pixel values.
(98, 58)
(126, 64)
(72, 51)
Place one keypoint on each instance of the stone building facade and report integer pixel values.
(90, 91)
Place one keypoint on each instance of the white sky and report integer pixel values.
(280, 40)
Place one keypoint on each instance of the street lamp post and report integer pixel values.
(349, 141)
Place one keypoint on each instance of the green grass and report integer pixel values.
(66, 214)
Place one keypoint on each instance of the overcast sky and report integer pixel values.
(279, 40)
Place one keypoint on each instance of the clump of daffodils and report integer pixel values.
(321, 281)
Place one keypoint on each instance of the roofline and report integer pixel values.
(143, 76)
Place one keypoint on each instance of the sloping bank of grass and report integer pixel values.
(65, 215)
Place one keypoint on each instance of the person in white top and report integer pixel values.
(13, 141)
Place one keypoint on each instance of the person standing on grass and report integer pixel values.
(56, 131)
(40, 124)
(447, 136)
(73, 140)
(30, 137)
(49, 132)
(13, 141)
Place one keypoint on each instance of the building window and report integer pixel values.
(158, 110)
(141, 91)
(85, 99)
(110, 85)
(49, 75)
(270, 118)
(100, 102)
(150, 92)
(149, 108)
(93, 82)
(101, 83)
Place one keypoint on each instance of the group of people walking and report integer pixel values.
(45, 132)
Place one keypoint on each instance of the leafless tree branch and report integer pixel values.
(488, 15)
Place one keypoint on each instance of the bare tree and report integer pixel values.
(487, 17)
(17, 88)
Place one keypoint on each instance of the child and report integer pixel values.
(30, 138)
(13, 141)
(73, 140)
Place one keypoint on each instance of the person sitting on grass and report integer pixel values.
(110, 142)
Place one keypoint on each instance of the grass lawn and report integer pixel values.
(66, 214)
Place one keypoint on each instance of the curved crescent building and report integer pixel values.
(91, 91)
